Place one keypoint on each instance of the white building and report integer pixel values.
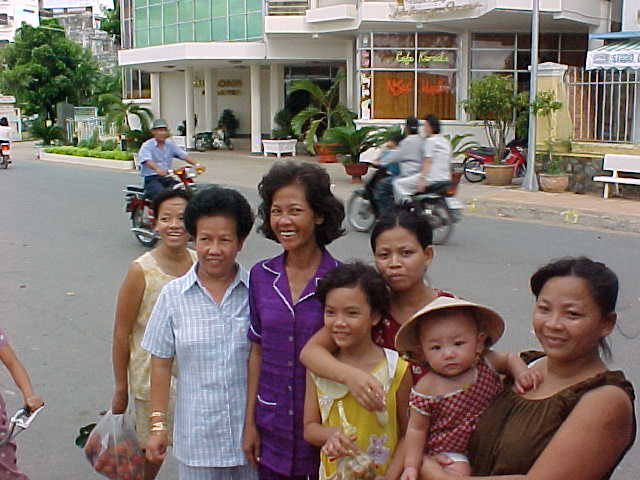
(13, 13)
(401, 58)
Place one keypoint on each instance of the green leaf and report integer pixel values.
(302, 118)
(310, 135)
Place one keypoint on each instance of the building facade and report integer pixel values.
(13, 13)
(401, 58)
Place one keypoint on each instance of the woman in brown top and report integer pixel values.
(579, 422)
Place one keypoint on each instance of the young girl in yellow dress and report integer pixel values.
(355, 297)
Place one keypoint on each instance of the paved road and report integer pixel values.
(65, 248)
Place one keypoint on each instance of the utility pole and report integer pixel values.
(530, 181)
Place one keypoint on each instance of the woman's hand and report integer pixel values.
(527, 380)
(33, 403)
(119, 402)
(366, 389)
(339, 445)
(157, 444)
(251, 443)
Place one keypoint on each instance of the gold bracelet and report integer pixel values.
(158, 414)
(158, 427)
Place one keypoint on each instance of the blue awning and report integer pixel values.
(616, 55)
(614, 35)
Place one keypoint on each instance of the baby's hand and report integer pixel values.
(338, 445)
(410, 473)
(526, 381)
(33, 403)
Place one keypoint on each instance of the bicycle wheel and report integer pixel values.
(473, 170)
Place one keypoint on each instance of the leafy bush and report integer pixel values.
(109, 145)
(47, 134)
(229, 120)
(91, 153)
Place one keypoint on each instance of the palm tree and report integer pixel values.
(351, 141)
(324, 112)
(118, 112)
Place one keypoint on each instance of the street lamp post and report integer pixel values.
(530, 181)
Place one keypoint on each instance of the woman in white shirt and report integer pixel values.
(5, 130)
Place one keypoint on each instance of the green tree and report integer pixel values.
(324, 112)
(43, 67)
(118, 112)
(111, 23)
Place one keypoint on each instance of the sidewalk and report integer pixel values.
(242, 169)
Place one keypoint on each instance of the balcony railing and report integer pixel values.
(287, 7)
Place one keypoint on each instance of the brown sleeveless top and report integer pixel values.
(512, 433)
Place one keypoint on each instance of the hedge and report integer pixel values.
(86, 152)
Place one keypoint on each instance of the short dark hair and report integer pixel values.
(168, 194)
(354, 274)
(602, 281)
(219, 201)
(412, 124)
(4, 122)
(396, 138)
(317, 185)
(434, 122)
(407, 217)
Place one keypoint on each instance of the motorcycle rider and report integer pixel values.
(435, 165)
(5, 130)
(156, 156)
(409, 156)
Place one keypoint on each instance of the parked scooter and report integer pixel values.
(5, 154)
(437, 203)
(140, 207)
(476, 158)
(204, 141)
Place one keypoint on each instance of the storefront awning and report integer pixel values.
(616, 55)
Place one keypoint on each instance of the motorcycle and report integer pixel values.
(140, 207)
(437, 203)
(476, 158)
(204, 141)
(5, 154)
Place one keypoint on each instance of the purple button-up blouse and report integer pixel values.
(282, 329)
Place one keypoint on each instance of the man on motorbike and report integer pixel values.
(156, 156)
(408, 155)
(435, 165)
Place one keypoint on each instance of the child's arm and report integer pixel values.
(129, 300)
(415, 440)
(509, 363)
(317, 357)
(20, 377)
(402, 407)
(334, 443)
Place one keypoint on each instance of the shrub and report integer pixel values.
(109, 144)
(91, 153)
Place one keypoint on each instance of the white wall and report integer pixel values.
(630, 9)
(172, 104)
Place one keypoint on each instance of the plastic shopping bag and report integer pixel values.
(359, 466)
(113, 450)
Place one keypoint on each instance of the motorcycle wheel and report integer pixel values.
(522, 171)
(5, 163)
(440, 221)
(136, 222)
(360, 213)
(473, 170)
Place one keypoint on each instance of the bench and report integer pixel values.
(619, 164)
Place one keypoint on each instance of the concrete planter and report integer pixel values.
(279, 147)
(86, 161)
(498, 175)
(554, 183)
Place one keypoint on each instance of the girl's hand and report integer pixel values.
(339, 445)
(251, 443)
(33, 403)
(526, 381)
(156, 449)
(119, 402)
(410, 473)
(433, 467)
(366, 389)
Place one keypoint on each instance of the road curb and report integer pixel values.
(86, 161)
(553, 215)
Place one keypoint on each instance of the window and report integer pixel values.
(404, 74)
(135, 84)
(4, 19)
(509, 54)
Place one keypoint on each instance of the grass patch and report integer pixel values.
(92, 153)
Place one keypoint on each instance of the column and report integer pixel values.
(210, 99)
(350, 80)
(276, 90)
(559, 126)
(156, 106)
(463, 76)
(256, 107)
(188, 98)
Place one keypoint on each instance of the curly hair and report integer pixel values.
(168, 194)
(214, 201)
(317, 186)
(359, 274)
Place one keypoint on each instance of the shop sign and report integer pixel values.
(229, 87)
(435, 6)
(407, 58)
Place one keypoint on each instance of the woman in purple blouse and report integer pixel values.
(298, 211)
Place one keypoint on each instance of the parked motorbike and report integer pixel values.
(437, 203)
(476, 158)
(140, 207)
(5, 154)
(204, 141)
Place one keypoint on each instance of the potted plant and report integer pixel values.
(349, 143)
(324, 112)
(230, 122)
(555, 179)
(494, 101)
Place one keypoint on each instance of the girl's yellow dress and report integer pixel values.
(377, 432)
